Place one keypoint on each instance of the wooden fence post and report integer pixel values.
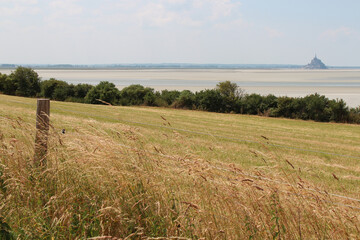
(42, 131)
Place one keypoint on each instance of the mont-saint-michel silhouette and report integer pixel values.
(315, 64)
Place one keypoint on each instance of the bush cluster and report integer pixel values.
(227, 97)
(27, 83)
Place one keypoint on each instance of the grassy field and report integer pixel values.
(142, 173)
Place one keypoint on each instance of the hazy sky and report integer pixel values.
(180, 31)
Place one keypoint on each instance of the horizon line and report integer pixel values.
(164, 64)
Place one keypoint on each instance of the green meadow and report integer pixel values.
(160, 173)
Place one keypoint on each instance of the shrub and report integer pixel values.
(317, 107)
(252, 104)
(185, 100)
(210, 100)
(8, 86)
(137, 95)
(339, 111)
(2, 81)
(231, 93)
(354, 115)
(80, 90)
(169, 96)
(104, 91)
(26, 81)
(56, 89)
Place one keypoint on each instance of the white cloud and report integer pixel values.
(231, 25)
(8, 24)
(26, 2)
(273, 33)
(11, 11)
(18, 10)
(190, 13)
(67, 7)
(187, 21)
(217, 8)
(174, 1)
(223, 8)
(155, 14)
(333, 34)
(119, 28)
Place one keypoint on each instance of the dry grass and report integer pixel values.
(107, 180)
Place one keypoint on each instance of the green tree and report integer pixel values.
(230, 90)
(77, 93)
(231, 93)
(137, 95)
(354, 115)
(53, 89)
(268, 103)
(170, 96)
(47, 87)
(80, 90)
(209, 100)
(257, 104)
(284, 107)
(2, 82)
(57, 89)
(27, 82)
(289, 107)
(150, 99)
(186, 100)
(252, 103)
(339, 111)
(317, 107)
(9, 86)
(63, 91)
(104, 91)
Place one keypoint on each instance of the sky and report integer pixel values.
(180, 31)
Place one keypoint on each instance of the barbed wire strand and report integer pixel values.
(214, 135)
(259, 178)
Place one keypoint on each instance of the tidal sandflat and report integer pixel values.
(333, 83)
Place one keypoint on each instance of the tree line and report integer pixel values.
(227, 97)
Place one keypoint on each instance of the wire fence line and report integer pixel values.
(229, 138)
(212, 135)
(222, 137)
(259, 178)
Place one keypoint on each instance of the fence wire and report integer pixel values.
(210, 134)
(259, 178)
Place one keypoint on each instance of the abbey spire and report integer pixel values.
(315, 64)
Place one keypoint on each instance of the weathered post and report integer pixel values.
(42, 131)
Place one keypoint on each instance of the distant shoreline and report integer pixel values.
(167, 66)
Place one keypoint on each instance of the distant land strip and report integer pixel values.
(165, 66)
